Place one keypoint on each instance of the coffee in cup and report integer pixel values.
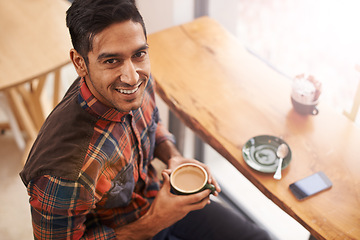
(189, 178)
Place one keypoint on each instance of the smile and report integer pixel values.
(128, 91)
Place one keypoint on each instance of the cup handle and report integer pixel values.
(315, 111)
(211, 187)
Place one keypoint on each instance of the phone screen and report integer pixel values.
(310, 185)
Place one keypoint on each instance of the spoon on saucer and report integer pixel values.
(281, 152)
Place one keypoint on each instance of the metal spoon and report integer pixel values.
(281, 152)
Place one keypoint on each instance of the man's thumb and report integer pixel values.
(166, 179)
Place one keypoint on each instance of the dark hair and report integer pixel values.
(86, 18)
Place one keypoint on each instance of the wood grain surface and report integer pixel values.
(227, 96)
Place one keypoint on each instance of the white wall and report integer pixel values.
(225, 12)
(161, 14)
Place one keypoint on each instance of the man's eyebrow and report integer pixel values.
(144, 47)
(108, 55)
(117, 55)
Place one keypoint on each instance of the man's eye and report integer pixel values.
(140, 54)
(111, 61)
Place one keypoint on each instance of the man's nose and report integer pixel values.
(129, 74)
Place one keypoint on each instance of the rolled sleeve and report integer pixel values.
(163, 134)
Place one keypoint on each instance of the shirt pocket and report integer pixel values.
(152, 132)
(122, 187)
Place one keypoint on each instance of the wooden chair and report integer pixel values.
(35, 45)
(12, 123)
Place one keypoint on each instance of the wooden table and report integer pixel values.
(227, 96)
(34, 42)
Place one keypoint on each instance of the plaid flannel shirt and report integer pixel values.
(92, 173)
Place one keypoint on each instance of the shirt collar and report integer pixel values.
(92, 105)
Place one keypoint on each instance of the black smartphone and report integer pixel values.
(310, 185)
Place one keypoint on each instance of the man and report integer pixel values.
(89, 173)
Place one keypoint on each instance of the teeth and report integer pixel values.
(127, 91)
(130, 91)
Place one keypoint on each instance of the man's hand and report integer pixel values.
(168, 208)
(167, 152)
(174, 162)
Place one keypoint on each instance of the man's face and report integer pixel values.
(118, 66)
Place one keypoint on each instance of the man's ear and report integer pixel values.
(79, 63)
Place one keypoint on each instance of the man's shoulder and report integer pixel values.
(62, 142)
